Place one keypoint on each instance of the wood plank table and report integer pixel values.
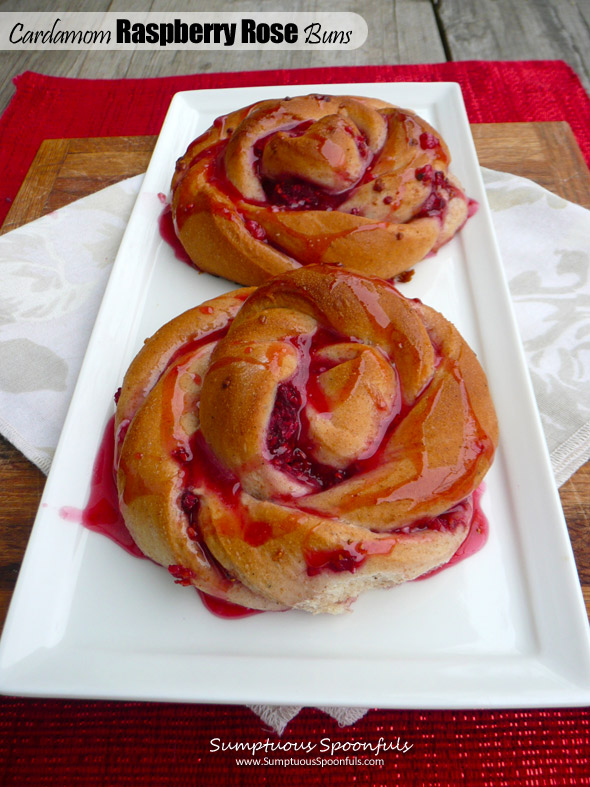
(65, 170)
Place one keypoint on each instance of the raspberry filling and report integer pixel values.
(352, 556)
(435, 204)
(192, 463)
(182, 575)
(347, 558)
(196, 456)
(288, 445)
(289, 439)
(300, 195)
(428, 141)
(283, 426)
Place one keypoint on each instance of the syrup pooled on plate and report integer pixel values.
(168, 234)
(102, 515)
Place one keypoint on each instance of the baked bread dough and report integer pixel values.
(298, 444)
(315, 179)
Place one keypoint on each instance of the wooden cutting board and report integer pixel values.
(66, 169)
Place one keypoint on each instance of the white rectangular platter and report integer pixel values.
(506, 628)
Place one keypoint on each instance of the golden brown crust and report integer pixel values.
(321, 426)
(315, 179)
(148, 478)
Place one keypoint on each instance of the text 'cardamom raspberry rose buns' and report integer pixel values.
(295, 445)
(316, 179)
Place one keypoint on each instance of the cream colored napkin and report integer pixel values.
(545, 245)
(53, 272)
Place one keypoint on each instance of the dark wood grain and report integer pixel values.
(65, 170)
(544, 152)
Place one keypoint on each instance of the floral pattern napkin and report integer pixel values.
(53, 273)
(545, 245)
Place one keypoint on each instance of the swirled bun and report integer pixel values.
(315, 179)
(298, 444)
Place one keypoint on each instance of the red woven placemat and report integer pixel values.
(51, 107)
(55, 742)
(101, 743)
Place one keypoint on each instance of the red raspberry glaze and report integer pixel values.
(102, 512)
(168, 234)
